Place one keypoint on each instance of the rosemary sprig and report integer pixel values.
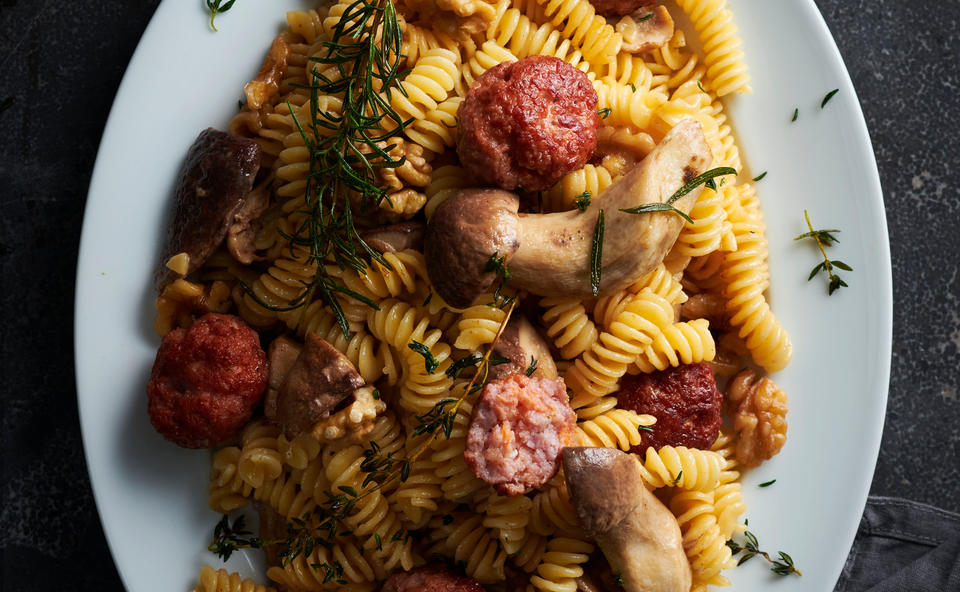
(667, 206)
(781, 566)
(596, 255)
(215, 7)
(825, 238)
(361, 62)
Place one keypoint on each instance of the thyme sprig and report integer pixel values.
(320, 528)
(782, 566)
(825, 238)
(667, 206)
(216, 7)
(345, 141)
(498, 265)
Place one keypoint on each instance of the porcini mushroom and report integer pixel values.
(525, 350)
(549, 254)
(636, 532)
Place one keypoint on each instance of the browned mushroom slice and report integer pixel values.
(319, 379)
(550, 254)
(213, 184)
(243, 228)
(645, 30)
(524, 349)
(637, 533)
(395, 237)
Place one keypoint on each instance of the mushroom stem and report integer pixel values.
(554, 254)
(637, 533)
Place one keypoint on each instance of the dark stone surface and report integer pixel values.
(61, 63)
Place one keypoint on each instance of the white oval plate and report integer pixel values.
(152, 495)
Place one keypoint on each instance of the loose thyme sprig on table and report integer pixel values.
(825, 238)
(321, 527)
(362, 63)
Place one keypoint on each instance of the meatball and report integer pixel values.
(619, 7)
(206, 381)
(430, 578)
(526, 124)
(517, 431)
(685, 400)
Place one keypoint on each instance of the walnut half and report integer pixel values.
(759, 409)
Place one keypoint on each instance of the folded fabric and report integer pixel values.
(903, 546)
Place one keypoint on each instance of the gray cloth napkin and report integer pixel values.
(903, 546)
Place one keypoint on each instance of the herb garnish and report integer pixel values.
(760, 176)
(532, 367)
(604, 113)
(583, 201)
(796, 114)
(430, 363)
(645, 17)
(345, 144)
(829, 96)
(825, 238)
(499, 267)
(216, 8)
(767, 483)
(306, 533)
(618, 579)
(782, 566)
(677, 479)
(596, 255)
(667, 206)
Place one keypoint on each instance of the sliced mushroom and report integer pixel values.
(523, 347)
(645, 30)
(549, 254)
(243, 228)
(636, 532)
(395, 237)
(305, 392)
(212, 187)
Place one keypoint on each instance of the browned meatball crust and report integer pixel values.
(685, 400)
(526, 124)
(430, 578)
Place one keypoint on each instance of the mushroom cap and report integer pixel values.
(463, 234)
(604, 482)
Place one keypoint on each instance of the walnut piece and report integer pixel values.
(267, 83)
(759, 409)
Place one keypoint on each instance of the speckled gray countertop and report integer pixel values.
(60, 65)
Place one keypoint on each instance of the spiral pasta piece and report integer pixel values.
(467, 541)
(551, 511)
(427, 85)
(588, 181)
(582, 25)
(568, 326)
(680, 343)
(260, 460)
(489, 55)
(516, 31)
(703, 542)
(561, 565)
(479, 324)
(745, 274)
(726, 70)
(227, 490)
(221, 580)
(627, 107)
(682, 467)
(320, 569)
(508, 518)
(438, 129)
(617, 428)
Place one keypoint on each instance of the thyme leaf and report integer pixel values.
(829, 96)
(760, 176)
(604, 113)
(532, 367)
(825, 238)
(767, 483)
(583, 201)
(430, 363)
(796, 114)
